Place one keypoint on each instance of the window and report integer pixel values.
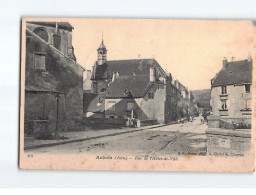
(223, 89)
(247, 88)
(127, 93)
(42, 33)
(130, 106)
(111, 116)
(103, 90)
(39, 61)
(151, 95)
(111, 105)
(246, 104)
(224, 105)
(57, 41)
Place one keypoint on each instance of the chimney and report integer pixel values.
(225, 63)
(56, 27)
(152, 74)
(117, 75)
(113, 76)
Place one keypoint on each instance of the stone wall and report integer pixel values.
(221, 142)
(61, 76)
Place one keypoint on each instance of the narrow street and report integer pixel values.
(177, 139)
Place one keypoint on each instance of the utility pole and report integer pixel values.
(57, 135)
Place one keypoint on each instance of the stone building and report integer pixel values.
(229, 126)
(138, 87)
(231, 90)
(52, 74)
(186, 105)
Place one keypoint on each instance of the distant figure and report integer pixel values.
(205, 114)
(129, 121)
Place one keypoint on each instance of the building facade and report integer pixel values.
(231, 90)
(54, 80)
(186, 105)
(139, 88)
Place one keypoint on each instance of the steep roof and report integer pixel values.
(237, 72)
(62, 25)
(126, 67)
(137, 85)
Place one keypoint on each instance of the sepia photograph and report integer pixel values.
(137, 94)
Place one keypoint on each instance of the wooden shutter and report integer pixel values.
(40, 61)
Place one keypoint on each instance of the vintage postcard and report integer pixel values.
(137, 94)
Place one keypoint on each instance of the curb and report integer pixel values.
(90, 138)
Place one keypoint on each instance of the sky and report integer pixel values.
(191, 50)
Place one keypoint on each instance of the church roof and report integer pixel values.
(62, 25)
(125, 67)
(237, 72)
(137, 85)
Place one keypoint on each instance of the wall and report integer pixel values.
(228, 143)
(60, 75)
(66, 37)
(43, 106)
(235, 98)
(153, 108)
(87, 81)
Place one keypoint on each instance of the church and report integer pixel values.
(53, 80)
(137, 88)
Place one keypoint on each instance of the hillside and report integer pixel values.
(202, 97)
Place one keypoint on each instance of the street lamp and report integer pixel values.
(57, 135)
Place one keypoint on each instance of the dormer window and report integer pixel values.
(127, 93)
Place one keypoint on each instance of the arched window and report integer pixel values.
(103, 90)
(41, 32)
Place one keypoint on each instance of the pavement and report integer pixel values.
(158, 140)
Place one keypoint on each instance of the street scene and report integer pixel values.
(168, 140)
(102, 94)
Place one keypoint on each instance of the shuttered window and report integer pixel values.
(39, 61)
(130, 106)
(151, 95)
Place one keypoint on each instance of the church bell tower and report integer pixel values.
(102, 53)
